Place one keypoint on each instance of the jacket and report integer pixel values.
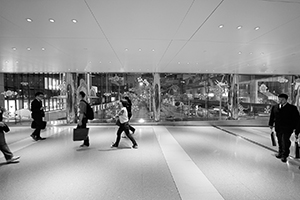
(285, 118)
(37, 112)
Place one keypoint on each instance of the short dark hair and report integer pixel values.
(283, 96)
(81, 93)
(38, 94)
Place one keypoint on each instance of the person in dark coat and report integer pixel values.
(37, 115)
(82, 119)
(8, 155)
(285, 117)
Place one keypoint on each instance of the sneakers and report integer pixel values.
(135, 146)
(14, 159)
(114, 146)
(34, 137)
(40, 138)
(84, 146)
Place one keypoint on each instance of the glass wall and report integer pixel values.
(182, 97)
(20, 89)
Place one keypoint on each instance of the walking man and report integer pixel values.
(285, 117)
(10, 158)
(37, 115)
(82, 119)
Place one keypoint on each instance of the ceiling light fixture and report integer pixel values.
(14, 48)
(29, 20)
(257, 28)
(140, 49)
(28, 48)
(51, 20)
(43, 49)
(74, 21)
(239, 27)
(221, 26)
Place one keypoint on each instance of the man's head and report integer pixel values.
(39, 95)
(81, 95)
(283, 98)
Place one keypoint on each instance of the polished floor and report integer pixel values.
(172, 162)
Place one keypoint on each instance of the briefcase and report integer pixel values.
(273, 139)
(297, 149)
(80, 134)
(33, 125)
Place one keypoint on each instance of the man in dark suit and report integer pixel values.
(37, 115)
(285, 117)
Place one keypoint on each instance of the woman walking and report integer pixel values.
(124, 125)
(128, 107)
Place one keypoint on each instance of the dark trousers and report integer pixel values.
(39, 124)
(284, 142)
(83, 125)
(124, 127)
(4, 148)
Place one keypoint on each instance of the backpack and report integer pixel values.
(89, 111)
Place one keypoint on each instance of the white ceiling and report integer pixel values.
(178, 36)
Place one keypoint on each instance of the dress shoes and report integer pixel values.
(279, 156)
(284, 159)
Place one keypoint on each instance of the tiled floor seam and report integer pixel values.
(189, 179)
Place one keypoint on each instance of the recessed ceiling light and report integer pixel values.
(29, 20)
(140, 49)
(240, 52)
(239, 27)
(14, 48)
(257, 28)
(74, 20)
(51, 20)
(178, 63)
(153, 49)
(221, 26)
(126, 49)
(28, 49)
(43, 49)
(250, 53)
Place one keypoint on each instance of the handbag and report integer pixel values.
(273, 139)
(297, 149)
(5, 128)
(80, 134)
(43, 126)
(118, 123)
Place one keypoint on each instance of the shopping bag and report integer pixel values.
(80, 134)
(297, 149)
(273, 139)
